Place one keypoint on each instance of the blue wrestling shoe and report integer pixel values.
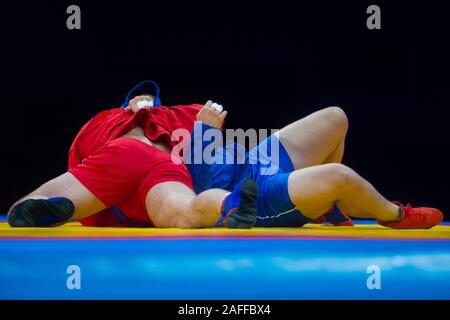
(41, 212)
(239, 207)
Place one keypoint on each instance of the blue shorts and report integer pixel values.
(271, 173)
(275, 208)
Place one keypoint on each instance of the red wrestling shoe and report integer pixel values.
(415, 218)
(335, 217)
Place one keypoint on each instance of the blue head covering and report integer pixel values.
(145, 87)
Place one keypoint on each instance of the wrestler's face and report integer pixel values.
(141, 102)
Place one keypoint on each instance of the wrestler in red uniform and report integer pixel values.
(117, 159)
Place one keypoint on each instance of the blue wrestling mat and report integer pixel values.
(206, 267)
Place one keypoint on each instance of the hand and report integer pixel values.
(135, 106)
(211, 116)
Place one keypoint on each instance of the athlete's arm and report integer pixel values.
(174, 205)
(208, 121)
(211, 116)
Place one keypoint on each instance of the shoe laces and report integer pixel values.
(408, 213)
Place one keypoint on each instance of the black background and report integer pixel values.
(268, 63)
(168, 309)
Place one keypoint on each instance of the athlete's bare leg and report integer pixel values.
(170, 204)
(66, 185)
(315, 189)
(316, 139)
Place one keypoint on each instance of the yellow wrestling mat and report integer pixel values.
(359, 231)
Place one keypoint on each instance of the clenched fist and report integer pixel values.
(140, 102)
(212, 114)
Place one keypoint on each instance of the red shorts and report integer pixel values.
(121, 173)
